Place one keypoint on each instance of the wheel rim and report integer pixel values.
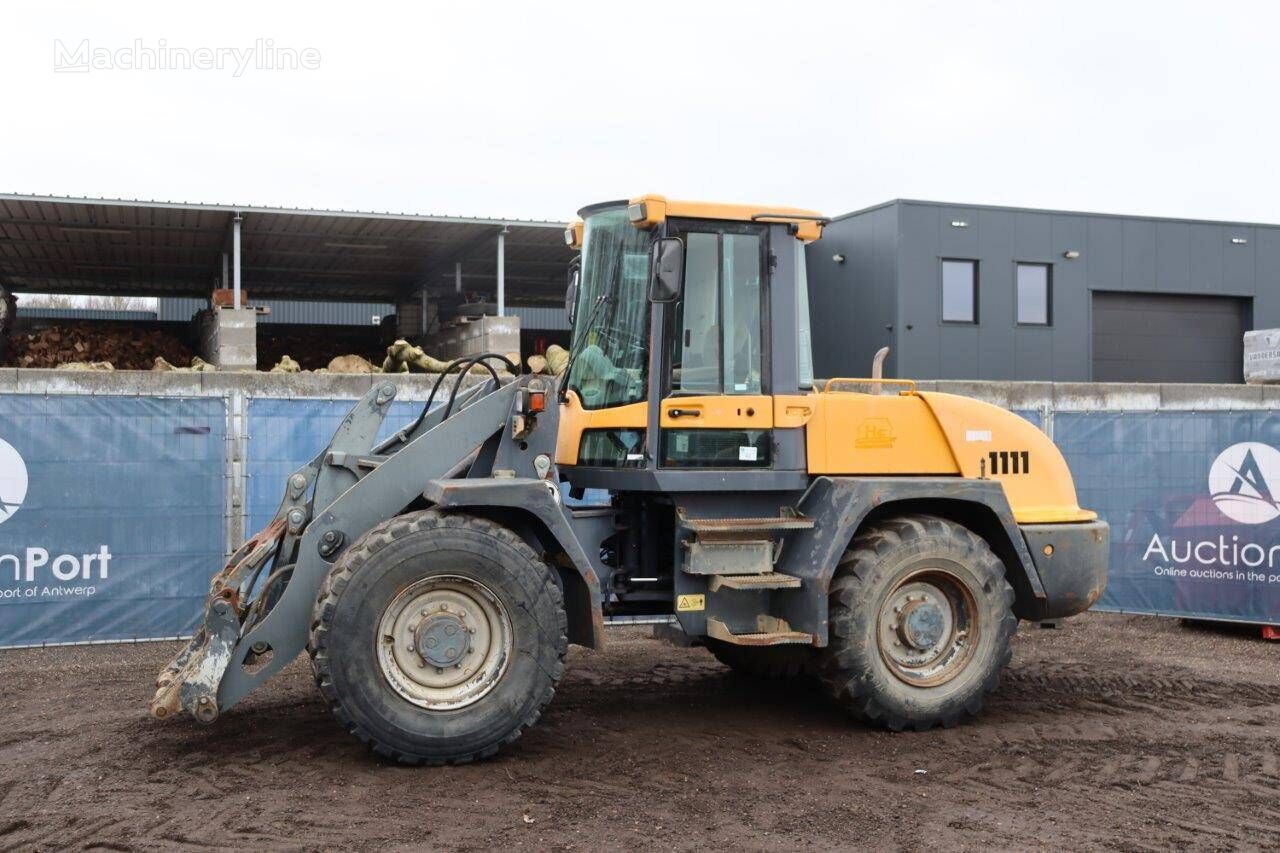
(928, 628)
(444, 642)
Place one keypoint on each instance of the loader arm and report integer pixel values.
(329, 503)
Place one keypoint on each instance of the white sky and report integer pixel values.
(534, 109)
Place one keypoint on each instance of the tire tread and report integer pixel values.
(355, 558)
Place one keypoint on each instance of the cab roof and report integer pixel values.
(652, 209)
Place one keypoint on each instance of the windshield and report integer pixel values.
(611, 337)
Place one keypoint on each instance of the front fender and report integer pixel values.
(540, 502)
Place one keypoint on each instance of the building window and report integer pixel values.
(959, 291)
(1034, 293)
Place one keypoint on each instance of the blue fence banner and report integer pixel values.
(112, 515)
(285, 434)
(1193, 499)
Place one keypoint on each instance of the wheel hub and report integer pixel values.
(444, 642)
(922, 624)
(442, 639)
(927, 628)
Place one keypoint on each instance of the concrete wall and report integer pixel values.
(1117, 253)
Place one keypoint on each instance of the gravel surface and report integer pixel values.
(1112, 732)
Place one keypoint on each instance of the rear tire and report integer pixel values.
(437, 639)
(776, 662)
(920, 622)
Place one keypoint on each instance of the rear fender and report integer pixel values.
(841, 506)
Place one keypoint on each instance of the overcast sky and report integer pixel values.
(534, 109)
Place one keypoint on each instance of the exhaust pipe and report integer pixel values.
(877, 368)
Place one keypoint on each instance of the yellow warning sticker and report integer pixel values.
(686, 603)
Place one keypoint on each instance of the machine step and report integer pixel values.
(719, 529)
(767, 580)
(740, 557)
(771, 632)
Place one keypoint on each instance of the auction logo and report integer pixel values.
(1240, 482)
(13, 481)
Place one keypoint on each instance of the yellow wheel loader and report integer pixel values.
(884, 539)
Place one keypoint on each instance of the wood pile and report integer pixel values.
(313, 347)
(123, 347)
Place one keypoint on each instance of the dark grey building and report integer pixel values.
(981, 292)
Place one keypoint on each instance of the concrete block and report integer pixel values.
(1181, 397)
(1030, 395)
(1105, 396)
(229, 338)
(996, 393)
(1270, 396)
(136, 383)
(316, 385)
(1262, 356)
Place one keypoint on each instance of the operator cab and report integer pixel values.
(691, 323)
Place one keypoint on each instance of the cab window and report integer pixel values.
(718, 318)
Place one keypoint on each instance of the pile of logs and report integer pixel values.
(313, 347)
(124, 347)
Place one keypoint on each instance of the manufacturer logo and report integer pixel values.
(13, 481)
(875, 434)
(1241, 482)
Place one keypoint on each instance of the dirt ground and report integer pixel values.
(1118, 732)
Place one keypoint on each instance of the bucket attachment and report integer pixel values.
(190, 681)
(258, 612)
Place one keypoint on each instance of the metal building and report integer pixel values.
(984, 292)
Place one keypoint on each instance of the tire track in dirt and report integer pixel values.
(1119, 732)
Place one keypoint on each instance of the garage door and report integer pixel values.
(1147, 337)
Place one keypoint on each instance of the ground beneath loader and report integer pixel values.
(1121, 732)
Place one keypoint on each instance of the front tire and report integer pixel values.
(438, 638)
(920, 622)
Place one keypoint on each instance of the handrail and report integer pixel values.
(909, 383)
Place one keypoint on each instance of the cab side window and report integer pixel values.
(718, 317)
(741, 276)
(697, 352)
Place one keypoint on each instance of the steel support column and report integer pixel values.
(235, 260)
(502, 271)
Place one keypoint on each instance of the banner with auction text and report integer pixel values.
(1193, 499)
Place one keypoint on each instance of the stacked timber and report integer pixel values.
(123, 347)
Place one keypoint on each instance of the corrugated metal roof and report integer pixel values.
(114, 246)
(83, 314)
(288, 311)
(550, 319)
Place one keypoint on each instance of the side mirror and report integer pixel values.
(571, 290)
(666, 261)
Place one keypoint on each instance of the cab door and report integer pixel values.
(716, 411)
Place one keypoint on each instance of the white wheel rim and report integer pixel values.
(444, 642)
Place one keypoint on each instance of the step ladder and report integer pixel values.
(737, 555)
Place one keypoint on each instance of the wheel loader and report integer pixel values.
(882, 539)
